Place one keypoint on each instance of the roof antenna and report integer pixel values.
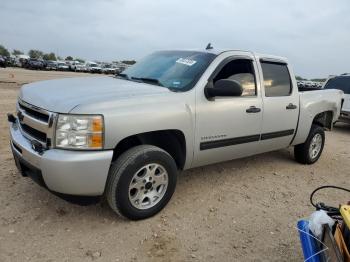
(209, 47)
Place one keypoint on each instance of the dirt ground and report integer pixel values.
(242, 210)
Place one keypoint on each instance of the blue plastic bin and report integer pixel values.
(309, 244)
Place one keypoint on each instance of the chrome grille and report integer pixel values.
(35, 114)
(35, 123)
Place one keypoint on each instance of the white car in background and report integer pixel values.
(73, 65)
(341, 82)
(108, 69)
(93, 67)
(80, 68)
(62, 66)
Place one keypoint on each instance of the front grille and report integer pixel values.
(35, 114)
(34, 133)
(35, 123)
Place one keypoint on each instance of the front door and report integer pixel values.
(229, 127)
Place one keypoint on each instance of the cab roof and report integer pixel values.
(259, 56)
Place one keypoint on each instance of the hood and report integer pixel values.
(63, 95)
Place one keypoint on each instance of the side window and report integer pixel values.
(276, 79)
(242, 71)
(339, 82)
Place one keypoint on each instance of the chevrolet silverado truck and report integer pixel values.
(126, 137)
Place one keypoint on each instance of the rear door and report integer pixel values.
(280, 103)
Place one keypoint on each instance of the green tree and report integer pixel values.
(17, 52)
(4, 51)
(50, 56)
(129, 62)
(35, 53)
(80, 60)
(319, 79)
(299, 78)
(69, 58)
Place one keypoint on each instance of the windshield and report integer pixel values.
(341, 83)
(176, 70)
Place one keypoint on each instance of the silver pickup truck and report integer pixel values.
(126, 137)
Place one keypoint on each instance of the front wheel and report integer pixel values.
(141, 182)
(310, 151)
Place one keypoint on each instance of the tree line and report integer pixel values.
(37, 54)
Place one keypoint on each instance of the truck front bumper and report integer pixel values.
(63, 171)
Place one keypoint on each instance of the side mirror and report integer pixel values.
(224, 87)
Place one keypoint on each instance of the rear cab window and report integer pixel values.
(340, 82)
(277, 81)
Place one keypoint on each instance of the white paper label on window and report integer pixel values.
(186, 61)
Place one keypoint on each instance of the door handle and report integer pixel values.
(253, 109)
(291, 106)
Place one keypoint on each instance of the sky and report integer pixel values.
(314, 35)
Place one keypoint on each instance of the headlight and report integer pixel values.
(79, 131)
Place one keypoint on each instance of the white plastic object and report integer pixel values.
(317, 219)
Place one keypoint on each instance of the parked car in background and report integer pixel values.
(62, 66)
(73, 65)
(126, 137)
(35, 64)
(93, 67)
(21, 60)
(80, 68)
(342, 83)
(108, 69)
(11, 61)
(51, 65)
(308, 85)
(120, 68)
(3, 62)
(300, 84)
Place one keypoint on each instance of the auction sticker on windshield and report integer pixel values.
(186, 61)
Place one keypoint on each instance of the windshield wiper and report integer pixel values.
(148, 80)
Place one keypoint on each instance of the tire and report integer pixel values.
(303, 154)
(128, 194)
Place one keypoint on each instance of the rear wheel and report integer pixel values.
(310, 151)
(141, 182)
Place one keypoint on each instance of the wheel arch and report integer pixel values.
(172, 141)
(324, 119)
(306, 120)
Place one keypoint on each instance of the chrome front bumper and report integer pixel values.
(63, 171)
